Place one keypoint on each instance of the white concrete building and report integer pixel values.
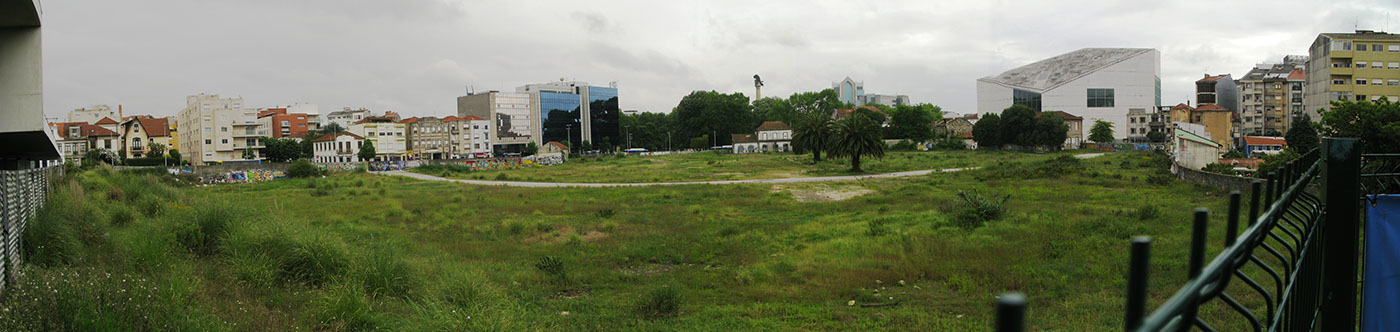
(387, 135)
(214, 129)
(28, 140)
(92, 114)
(511, 114)
(771, 136)
(1095, 83)
(340, 147)
(344, 117)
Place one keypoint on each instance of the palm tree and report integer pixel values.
(856, 136)
(814, 134)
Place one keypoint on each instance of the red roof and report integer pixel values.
(1261, 140)
(1065, 116)
(971, 116)
(966, 135)
(155, 126)
(845, 112)
(329, 137)
(773, 125)
(1297, 74)
(106, 120)
(1211, 78)
(1246, 163)
(1210, 107)
(559, 145)
(411, 120)
(1181, 107)
(743, 138)
(451, 118)
(95, 130)
(472, 118)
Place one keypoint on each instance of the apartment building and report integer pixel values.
(1360, 66)
(1095, 83)
(1142, 122)
(214, 129)
(853, 92)
(387, 135)
(277, 122)
(511, 114)
(449, 138)
(347, 116)
(1220, 90)
(1271, 94)
(92, 114)
(1211, 122)
(74, 139)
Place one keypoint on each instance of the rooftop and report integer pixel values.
(1066, 116)
(773, 125)
(1362, 34)
(329, 137)
(1047, 74)
(1212, 78)
(743, 138)
(1264, 140)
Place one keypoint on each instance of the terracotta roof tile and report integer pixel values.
(473, 118)
(106, 120)
(846, 112)
(1211, 78)
(743, 138)
(1297, 74)
(1181, 107)
(410, 120)
(329, 137)
(559, 145)
(773, 125)
(1210, 107)
(1066, 116)
(1261, 140)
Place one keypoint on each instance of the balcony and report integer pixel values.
(1342, 70)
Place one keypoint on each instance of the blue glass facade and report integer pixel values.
(561, 118)
(604, 115)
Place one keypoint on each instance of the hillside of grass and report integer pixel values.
(709, 166)
(358, 251)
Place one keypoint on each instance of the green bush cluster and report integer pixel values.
(664, 301)
(1064, 165)
(977, 209)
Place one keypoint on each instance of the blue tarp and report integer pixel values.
(1380, 308)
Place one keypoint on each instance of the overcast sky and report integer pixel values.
(417, 56)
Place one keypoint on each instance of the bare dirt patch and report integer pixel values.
(727, 174)
(659, 161)
(562, 234)
(822, 192)
(649, 269)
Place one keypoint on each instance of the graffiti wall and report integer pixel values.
(246, 176)
(489, 164)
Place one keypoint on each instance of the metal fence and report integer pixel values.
(1297, 256)
(22, 193)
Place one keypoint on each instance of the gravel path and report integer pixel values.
(643, 184)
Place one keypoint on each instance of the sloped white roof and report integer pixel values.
(1047, 74)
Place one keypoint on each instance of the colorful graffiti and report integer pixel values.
(246, 176)
(490, 164)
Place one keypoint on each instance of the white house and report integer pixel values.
(386, 133)
(1095, 83)
(339, 147)
(1194, 151)
(771, 136)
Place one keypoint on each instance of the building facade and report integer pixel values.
(341, 147)
(92, 114)
(1094, 83)
(853, 92)
(1220, 90)
(387, 135)
(74, 139)
(575, 112)
(511, 115)
(288, 121)
(1271, 94)
(1142, 123)
(347, 116)
(1208, 121)
(1364, 65)
(1193, 151)
(1074, 136)
(1256, 146)
(139, 132)
(214, 129)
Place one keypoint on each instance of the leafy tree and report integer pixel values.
(332, 128)
(1302, 136)
(307, 148)
(1272, 133)
(1377, 124)
(856, 136)
(1273, 162)
(99, 155)
(879, 117)
(1232, 154)
(175, 155)
(155, 150)
(814, 134)
(1222, 168)
(1156, 137)
(280, 149)
(987, 131)
(248, 154)
(531, 149)
(1018, 125)
(1049, 131)
(586, 145)
(367, 151)
(700, 143)
(713, 113)
(775, 109)
(1102, 132)
(822, 102)
(604, 146)
(648, 130)
(914, 123)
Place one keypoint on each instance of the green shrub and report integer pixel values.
(552, 267)
(303, 169)
(1146, 212)
(605, 213)
(1160, 179)
(151, 206)
(949, 144)
(1051, 168)
(385, 273)
(903, 145)
(1220, 168)
(502, 177)
(344, 308)
(876, 227)
(315, 260)
(89, 299)
(977, 209)
(664, 301)
(120, 215)
(204, 230)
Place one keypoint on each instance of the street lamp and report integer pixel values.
(668, 141)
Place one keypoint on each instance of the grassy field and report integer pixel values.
(714, 166)
(359, 251)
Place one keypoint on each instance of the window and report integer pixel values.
(1100, 97)
(206, 118)
(1360, 47)
(208, 141)
(1376, 47)
(1394, 48)
(1393, 65)
(1361, 64)
(1360, 81)
(1393, 82)
(223, 141)
(1341, 45)
(1360, 97)
(1027, 98)
(1339, 82)
(1375, 81)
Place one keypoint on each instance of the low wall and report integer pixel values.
(1221, 181)
(211, 173)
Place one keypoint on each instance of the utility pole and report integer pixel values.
(668, 141)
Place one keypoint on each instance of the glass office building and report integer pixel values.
(561, 118)
(604, 116)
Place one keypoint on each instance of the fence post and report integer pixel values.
(1137, 282)
(1011, 312)
(1341, 189)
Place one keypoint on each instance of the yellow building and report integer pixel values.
(1218, 122)
(1361, 66)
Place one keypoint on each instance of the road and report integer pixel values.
(645, 184)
